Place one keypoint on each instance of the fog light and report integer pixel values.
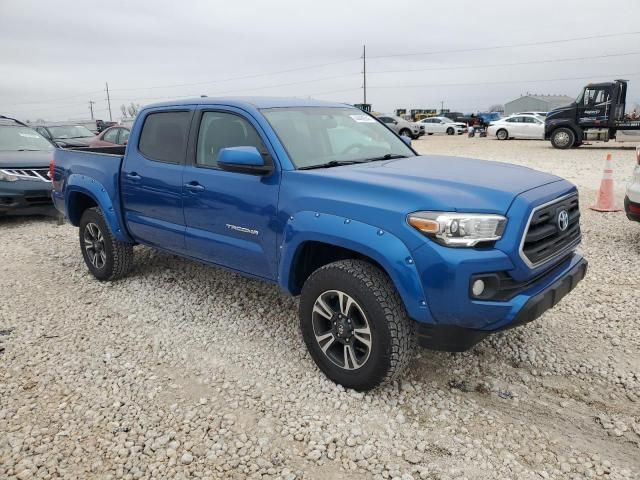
(477, 288)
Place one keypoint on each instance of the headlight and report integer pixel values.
(7, 177)
(458, 229)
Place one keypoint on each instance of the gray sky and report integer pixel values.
(56, 56)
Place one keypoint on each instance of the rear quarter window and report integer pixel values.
(164, 136)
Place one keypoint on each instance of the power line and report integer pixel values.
(243, 77)
(53, 100)
(265, 87)
(465, 67)
(514, 45)
(507, 82)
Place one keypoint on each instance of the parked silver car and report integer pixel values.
(402, 127)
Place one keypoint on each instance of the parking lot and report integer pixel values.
(181, 370)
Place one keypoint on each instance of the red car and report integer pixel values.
(111, 137)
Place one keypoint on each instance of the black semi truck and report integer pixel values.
(598, 114)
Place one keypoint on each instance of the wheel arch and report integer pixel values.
(82, 193)
(312, 240)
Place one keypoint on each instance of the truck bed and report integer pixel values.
(78, 170)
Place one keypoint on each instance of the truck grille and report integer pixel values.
(41, 173)
(544, 239)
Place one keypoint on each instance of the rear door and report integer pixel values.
(151, 179)
(231, 218)
(516, 127)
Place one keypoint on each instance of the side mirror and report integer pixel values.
(243, 160)
(406, 140)
(395, 122)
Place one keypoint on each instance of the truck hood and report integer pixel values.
(435, 183)
(25, 159)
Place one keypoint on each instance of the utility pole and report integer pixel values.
(364, 72)
(441, 107)
(109, 102)
(91, 103)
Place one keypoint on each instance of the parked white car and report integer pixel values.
(402, 127)
(517, 126)
(539, 114)
(442, 125)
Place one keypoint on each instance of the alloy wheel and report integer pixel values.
(94, 245)
(341, 329)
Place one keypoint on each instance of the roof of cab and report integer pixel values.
(250, 102)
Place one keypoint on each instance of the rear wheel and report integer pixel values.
(405, 132)
(502, 134)
(450, 131)
(355, 325)
(563, 138)
(106, 257)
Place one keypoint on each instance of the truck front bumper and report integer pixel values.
(26, 197)
(531, 304)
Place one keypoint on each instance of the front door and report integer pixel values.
(594, 106)
(231, 217)
(151, 180)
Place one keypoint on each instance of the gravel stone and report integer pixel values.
(178, 370)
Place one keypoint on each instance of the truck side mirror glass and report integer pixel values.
(243, 160)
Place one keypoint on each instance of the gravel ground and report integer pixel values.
(181, 370)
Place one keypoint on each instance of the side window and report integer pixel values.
(164, 136)
(513, 120)
(220, 130)
(124, 136)
(111, 136)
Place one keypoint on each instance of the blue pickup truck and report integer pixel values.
(387, 249)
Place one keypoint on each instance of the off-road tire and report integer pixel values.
(119, 255)
(392, 342)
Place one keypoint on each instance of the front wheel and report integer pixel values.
(354, 324)
(563, 138)
(405, 132)
(450, 131)
(106, 257)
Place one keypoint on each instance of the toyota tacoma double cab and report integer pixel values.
(386, 248)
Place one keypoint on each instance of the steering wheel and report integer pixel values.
(353, 146)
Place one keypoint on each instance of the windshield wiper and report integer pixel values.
(332, 163)
(29, 150)
(388, 156)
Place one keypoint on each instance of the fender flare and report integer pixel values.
(382, 246)
(82, 184)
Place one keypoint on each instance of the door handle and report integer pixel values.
(133, 176)
(194, 187)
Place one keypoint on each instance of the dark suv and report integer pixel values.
(25, 187)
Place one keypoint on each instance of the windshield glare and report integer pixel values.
(16, 138)
(70, 131)
(318, 135)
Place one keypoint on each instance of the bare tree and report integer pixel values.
(497, 108)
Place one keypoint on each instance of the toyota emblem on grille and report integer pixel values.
(563, 220)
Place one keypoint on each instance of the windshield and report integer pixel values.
(16, 138)
(319, 135)
(70, 131)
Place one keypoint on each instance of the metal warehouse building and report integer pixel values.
(536, 103)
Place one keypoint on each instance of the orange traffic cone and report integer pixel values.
(605, 201)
